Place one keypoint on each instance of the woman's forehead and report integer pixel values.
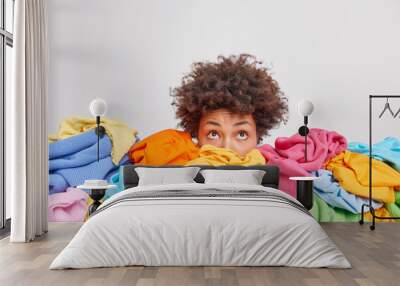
(225, 115)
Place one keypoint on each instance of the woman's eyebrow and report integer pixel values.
(241, 123)
(211, 122)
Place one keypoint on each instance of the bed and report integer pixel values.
(199, 224)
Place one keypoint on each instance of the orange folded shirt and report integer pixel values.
(167, 147)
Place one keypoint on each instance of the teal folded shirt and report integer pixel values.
(116, 179)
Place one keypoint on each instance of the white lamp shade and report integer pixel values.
(305, 107)
(98, 107)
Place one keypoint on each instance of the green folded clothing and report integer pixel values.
(394, 208)
(323, 212)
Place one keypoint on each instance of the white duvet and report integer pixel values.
(188, 231)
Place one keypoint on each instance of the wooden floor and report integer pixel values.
(375, 257)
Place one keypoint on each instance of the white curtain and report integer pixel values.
(26, 123)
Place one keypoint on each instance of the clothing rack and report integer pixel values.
(369, 205)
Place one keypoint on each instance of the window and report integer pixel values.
(6, 60)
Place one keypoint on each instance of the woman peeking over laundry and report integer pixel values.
(226, 107)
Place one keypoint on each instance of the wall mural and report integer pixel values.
(224, 109)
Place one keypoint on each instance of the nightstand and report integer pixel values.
(304, 190)
(97, 190)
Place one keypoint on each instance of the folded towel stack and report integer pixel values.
(73, 159)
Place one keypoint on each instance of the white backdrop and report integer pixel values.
(130, 52)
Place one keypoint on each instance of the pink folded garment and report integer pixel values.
(288, 154)
(68, 206)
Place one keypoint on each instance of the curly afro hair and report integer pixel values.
(236, 83)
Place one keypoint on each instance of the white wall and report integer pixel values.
(130, 52)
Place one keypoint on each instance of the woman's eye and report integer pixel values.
(242, 135)
(213, 135)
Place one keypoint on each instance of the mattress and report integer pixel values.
(201, 225)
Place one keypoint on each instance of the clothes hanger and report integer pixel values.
(397, 113)
(387, 107)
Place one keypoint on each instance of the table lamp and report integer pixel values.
(97, 188)
(305, 184)
(305, 108)
(98, 108)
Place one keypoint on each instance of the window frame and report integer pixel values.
(6, 39)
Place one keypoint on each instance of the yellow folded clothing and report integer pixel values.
(352, 172)
(121, 136)
(214, 156)
(381, 212)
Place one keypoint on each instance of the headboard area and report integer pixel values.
(270, 179)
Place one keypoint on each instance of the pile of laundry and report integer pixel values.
(342, 169)
(73, 159)
(174, 147)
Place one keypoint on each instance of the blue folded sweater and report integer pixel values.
(74, 160)
(333, 194)
(78, 150)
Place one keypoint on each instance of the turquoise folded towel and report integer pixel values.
(387, 150)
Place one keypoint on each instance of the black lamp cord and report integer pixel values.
(305, 138)
(98, 137)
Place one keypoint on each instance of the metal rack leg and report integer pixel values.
(372, 226)
(361, 221)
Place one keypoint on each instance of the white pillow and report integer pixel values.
(163, 176)
(248, 177)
